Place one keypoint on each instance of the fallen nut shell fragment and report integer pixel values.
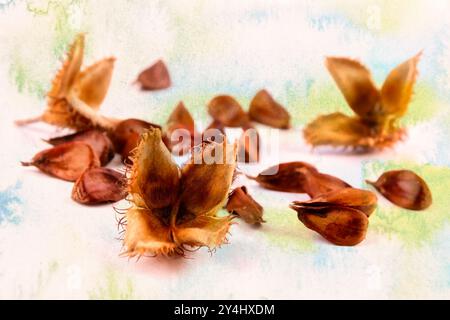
(243, 205)
(405, 189)
(99, 185)
(264, 109)
(155, 77)
(248, 146)
(286, 177)
(342, 226)
(97, 139)
(318, 183)
(66, 161)
(226, 110)
(180, 131)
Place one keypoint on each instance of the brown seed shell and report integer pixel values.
(243, 205)
(155, 77)
(264, 109)
(226, 110)
(66, 161)
(405, 189)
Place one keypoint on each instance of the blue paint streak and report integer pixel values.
(8, 198)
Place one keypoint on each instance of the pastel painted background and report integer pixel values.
(51, 247)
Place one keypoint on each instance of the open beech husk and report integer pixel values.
(243, 205)
(66, 161)
(76, 95)
(342, 226)
(99, 185)
(287, 177)
(405, 189)
(319, 183)
(155, 77)
(180, 130)
(127, 133)
(248, 146)
(226, 110)
(264, 109)
(377, 111)
(175, 208)
(362, 200)
(97, 139)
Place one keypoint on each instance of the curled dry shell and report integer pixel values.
(76, 95)
(97, 139)
(362, 200)
(155, 77)
(249, 143)
(243, 205)
(180, 125)
(99, 185)
(266, 110)
(66, 161)
(287, 177)
(127, 133)
(405, 189)
(172, 208)
(342, 226)
(226, 110)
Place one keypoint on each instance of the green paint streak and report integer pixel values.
(415, 228)
(424, 105)
(114, 288)
(286, 231)
(22, 75)
(44, 277)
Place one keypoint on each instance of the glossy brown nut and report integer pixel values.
(155, 77)
(226, 110)
(243, 205)
(264, 109)
(99, 185)
(405, 189)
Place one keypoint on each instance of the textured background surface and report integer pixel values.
(51, 247)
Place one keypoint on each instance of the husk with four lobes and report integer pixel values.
(174, 208)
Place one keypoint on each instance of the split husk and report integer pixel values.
(76, 95)
(97, 139)
(66, 161)
(243, 205)
(264, 109)
(99, 185)
(405, 189)
(155, 77)
(173, 208)
(377, 111)
(226, 110)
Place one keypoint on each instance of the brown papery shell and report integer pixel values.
(286, 177)
(155, 178)
(155, 77)
(339, 225)
(99, 185)
(248, 147)
(206, 179)
(264, 109)
(98, 140)
(180, 118)
(243, 205)
(405, 189)
(362, 200)
(66, 161)
(319, 183)
(226, 110)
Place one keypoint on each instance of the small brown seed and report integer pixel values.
(66, 161)
(156, 77)
(180, 119)
(226, 110)
(248, 147)
(243, 205)
(319, 183)
(99, 185)
(340, 225)
(97, 139)
(286, 177)
(405, 189)
(266, 110)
